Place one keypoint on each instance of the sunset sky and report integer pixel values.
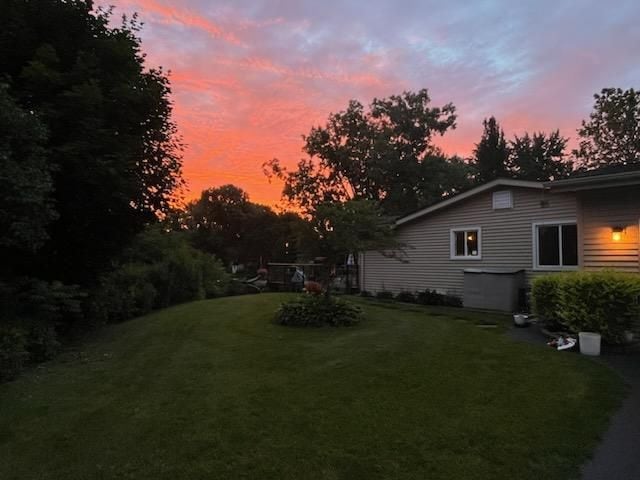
(250, 77)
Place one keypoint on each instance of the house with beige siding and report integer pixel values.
(485, 245)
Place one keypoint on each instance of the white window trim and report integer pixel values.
(452, 243)
(534, 235)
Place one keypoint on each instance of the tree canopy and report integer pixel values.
(351, 227)
(491, 154)
(611, 136)
(384, 153)
(225, 223)
(107, 158)
(539, 157)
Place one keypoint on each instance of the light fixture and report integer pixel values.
(616, 233)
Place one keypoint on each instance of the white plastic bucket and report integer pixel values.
(520, 320)
(589, 343)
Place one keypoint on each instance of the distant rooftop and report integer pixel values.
(607, 170)
(604, 177)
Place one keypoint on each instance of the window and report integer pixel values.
(466, 243)
(555, 245)
(502, 199)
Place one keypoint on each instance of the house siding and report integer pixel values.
(506, 242)
(601, 210)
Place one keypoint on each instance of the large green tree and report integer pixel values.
(539, 157)
(491, 154)
(224, 222)
(384, 154)
(611, 136)
(351, 227)
(111, 147)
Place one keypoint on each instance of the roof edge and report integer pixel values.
(595, 181)
(506, 182)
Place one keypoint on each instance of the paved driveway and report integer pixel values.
(618, 455)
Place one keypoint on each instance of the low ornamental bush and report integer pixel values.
(605, 302)
(318, 311)
(406, 297)
(384, 295)
(452, 301)
(431, 297)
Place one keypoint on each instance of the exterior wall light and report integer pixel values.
(616, 233)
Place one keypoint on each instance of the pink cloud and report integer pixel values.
(182, 16)
(250, 77)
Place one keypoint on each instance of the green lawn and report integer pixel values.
(214, 390)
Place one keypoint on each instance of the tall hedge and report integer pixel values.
(606, 302)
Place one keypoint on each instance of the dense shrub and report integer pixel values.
(406, 297)
(384, 295)
(13, 352)
(545, 293)
(159, 269)
(126, 292)
(605, 302)
(41, 341)
(33, 312)
(452, 301)
(431, 297)
(365, 293)
(32, 301)
(317, 311)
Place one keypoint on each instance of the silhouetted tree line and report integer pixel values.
(385, 154)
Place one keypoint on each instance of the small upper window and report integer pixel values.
(465, 243)
(502, 199)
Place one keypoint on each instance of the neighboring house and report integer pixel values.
(486, 244)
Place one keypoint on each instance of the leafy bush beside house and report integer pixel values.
(606, 302)
(406, 297)
(384, 295)
(431, 297)
(545, 294)
(424, 297)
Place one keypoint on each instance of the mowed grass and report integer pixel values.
(214, 390)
